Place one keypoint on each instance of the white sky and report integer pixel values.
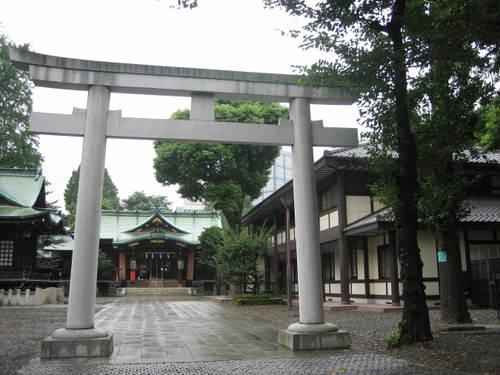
(220, 34)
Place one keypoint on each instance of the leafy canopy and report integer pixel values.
(138, 200)
(234, 252)
(221, 174)
(18, 148)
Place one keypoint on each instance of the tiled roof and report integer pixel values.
(383, 215)
(361, 152)
(483, 210)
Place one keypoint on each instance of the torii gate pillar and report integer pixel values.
(311, 332)
(81, 338)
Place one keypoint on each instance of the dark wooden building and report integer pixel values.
(357, 234)
(24, 217)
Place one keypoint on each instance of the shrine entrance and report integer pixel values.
(159, 266)
(96, 123)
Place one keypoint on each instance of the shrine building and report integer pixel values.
(156, 248)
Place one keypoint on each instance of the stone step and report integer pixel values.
(176, 291)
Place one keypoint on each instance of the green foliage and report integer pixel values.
(393, 338)
(256, 299)
(418, 69)
(488, 133)
(221, 174)
(234, 252)
(105, 268)
(110, 200)
(138, 200)
(18, 148)
(208, 239)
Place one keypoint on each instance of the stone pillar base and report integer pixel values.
(314, 337)
(77, 343)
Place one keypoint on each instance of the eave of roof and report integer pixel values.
(51, 222)
(132, 237)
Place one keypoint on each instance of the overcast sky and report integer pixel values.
(220, 34)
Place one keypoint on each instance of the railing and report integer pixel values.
(39, 296)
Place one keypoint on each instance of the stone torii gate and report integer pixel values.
(80, 338)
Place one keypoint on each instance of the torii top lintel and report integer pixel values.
(202, 85)
(67, 73)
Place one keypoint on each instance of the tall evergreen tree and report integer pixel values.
(110, 200)
(18, 148)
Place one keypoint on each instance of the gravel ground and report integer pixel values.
(465, 351)
(23, 328)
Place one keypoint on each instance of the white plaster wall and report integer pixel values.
(334, 219)
(427, 245)
(335, 288)
(357, 207)
(337, 265)
(378, 288)
(361, 264)
(377, 205)
(373, 242)
(323, 222)
(462, 250)
(357, 288)
(431, 288)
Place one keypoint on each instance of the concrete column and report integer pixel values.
(343, 246)
(306, 216)
(82, 290)
(80, 338)
(311, 332)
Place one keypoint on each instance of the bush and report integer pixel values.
(393, 339)
(257, 299)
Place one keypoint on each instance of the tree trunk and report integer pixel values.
(451, 283)
(415, 324)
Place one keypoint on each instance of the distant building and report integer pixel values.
(188, 205)
(152, 248)
(280, 174)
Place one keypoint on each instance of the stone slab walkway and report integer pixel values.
(158, 335)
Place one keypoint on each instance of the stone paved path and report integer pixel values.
(157, 335)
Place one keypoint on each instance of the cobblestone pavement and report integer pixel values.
(160, 336)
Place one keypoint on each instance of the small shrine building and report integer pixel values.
(157, 248)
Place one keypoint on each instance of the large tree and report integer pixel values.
(138, 200)
(455, 77)
(369, 45)
(18, 148)
(110, 200)
(221, 174)
(421, 67)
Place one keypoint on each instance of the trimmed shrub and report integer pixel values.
(257, 299)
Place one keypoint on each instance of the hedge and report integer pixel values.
(257, 299)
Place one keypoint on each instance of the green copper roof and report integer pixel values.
(183, 225)
(157, 222)
(50, 220)
(21, 187)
